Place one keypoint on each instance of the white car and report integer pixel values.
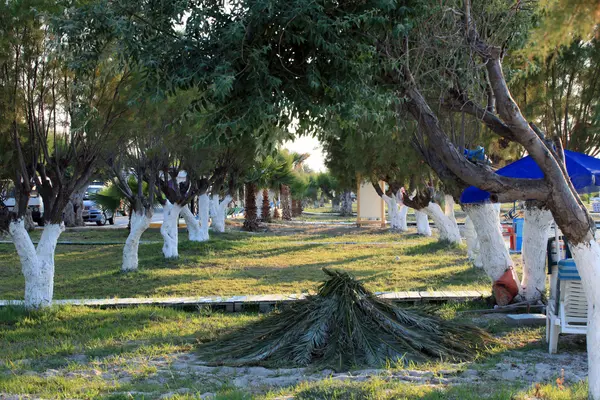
(35, 204)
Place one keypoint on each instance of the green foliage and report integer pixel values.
(344, 326)
(561, 93)
(561, 22)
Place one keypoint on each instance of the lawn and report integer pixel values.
(288, 259)
(149, 352)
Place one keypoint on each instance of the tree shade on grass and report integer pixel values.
(345, 326)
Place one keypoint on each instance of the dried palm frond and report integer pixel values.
(344, 326)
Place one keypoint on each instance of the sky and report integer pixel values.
(308, 144)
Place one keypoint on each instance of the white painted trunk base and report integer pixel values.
(449, 207)
(195, 233)
(422, 223)
(446, 226)
(168, 230)
(473, 251)
(203, 216)
(402, 222)
(495, 257)
(587, 259)
(218, 212)
(37, 265)
(140, 221)
(536, 229)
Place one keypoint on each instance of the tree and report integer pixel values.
(58, 126)
(364, 61)
(561, 93)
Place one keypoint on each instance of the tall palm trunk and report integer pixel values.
(251, 222)
(285, 203)
(296, 208)
(266, 207)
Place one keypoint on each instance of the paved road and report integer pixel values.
(121, 222)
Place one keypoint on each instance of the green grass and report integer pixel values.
(285, 260)
(92, 342)
(378, 389)
(88, 345)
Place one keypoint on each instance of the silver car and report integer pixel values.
(93, 213)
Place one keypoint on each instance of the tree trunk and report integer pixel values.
(140, 221)
(335, 204)
(495, 257)
(422, 223)
(393, 212)
(77, 200)
(536, 229)
(587, 254)
(473, 251)
(69, 215)
(251, 216)
(346, 210)
(296, 208)
(258, 202)
(73, 212)
(218, 212)
(403, 211)
(37, 264)
(195, 231)
(446, 226)
(169, 230)
(402, 223)
(286, 213)
(266, 206)
(204, 216)
(449, 208)
(28, 220)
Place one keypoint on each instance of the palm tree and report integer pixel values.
(297, 195)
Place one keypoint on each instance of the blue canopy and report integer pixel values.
(583, 170)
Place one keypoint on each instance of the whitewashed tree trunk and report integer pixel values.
(447, 227)
(587, 259)
(402, 212)
(536, 229)
(393, 212)
(449, 208)
(195, 233)
(422, 223)
(169, 230)
(140, 221)
(473, 251)
(203, 214)
(37, 265)
(218, 212)
(495, 257)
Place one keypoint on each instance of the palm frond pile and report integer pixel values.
(345, 326)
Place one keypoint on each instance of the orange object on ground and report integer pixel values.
(506, 288)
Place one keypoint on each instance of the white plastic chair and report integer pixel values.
(567, 309)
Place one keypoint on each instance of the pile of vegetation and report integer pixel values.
(346, 326)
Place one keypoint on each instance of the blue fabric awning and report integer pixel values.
(583, 170)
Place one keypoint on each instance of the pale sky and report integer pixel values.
(308, 144)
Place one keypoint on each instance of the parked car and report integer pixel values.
(35, 204)
(93, 212)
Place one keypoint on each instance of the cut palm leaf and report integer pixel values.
(345, 326)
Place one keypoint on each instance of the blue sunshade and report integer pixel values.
(583, 170)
